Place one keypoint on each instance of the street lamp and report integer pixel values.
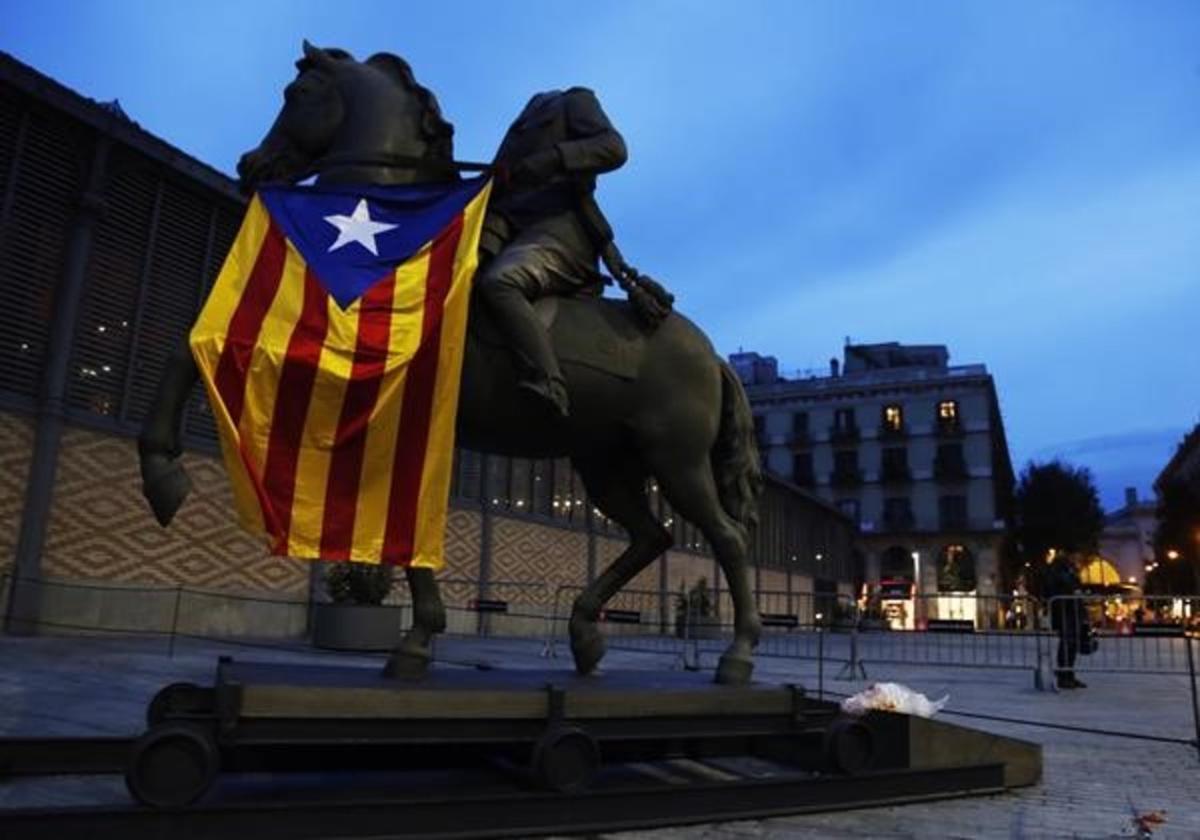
(1172, 554)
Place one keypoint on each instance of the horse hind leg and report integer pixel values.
(619, 491)
(412, 657)
(692, 492)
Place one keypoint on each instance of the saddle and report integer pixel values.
(587, 330)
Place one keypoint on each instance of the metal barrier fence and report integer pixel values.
(1144, 634)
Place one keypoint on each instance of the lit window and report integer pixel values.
(893, 418)
(948, 411)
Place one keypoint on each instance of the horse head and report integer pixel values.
(345, 120)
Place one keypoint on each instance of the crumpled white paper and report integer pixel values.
(893, 697)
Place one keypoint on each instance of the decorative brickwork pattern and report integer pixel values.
(16, 444)
(101, 528)
(535, 554)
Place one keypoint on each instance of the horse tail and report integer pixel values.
(735, 453)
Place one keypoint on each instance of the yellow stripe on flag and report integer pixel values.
(320, 429)
(433, 502)
(207, 340)
(370, 522)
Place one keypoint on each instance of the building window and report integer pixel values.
(953, 511)
(760, 430)
(850, 508)
(844, 427)
(894, 466)
(897, 514)
(949, 464)
(896, 564)
(567, 502)
(845, 468)
(519, 485)
(800, 427)
(893, 419)
(955, 569)
(802, 469)
(947, 416)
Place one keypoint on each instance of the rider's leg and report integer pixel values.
(509, 284)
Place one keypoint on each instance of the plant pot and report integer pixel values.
(359, 627)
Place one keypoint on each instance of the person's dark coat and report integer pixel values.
(549, 160)
(1066, 614)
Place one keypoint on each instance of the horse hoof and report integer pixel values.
(588, 649)
(734, 670)
(406, 665)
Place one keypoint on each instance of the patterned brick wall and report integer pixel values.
(101, 528)
(16, 444)
(539, 556)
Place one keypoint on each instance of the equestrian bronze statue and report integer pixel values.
(643, 394)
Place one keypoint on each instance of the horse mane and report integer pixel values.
(437, 131)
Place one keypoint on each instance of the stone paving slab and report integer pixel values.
(1093, 785)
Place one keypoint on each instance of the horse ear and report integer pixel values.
(318, 57)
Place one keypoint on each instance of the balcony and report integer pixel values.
(843, 434)
(898, 520)
(887, 432)
(950, 469)
(953, 521)
(949, 428)
(845, 477)
(895, 474)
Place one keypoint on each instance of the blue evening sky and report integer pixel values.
(1019, 181)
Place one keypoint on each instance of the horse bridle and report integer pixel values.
(397, 161)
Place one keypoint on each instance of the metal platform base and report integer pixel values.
(498, 753)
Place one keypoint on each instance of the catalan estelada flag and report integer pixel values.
(331, 347)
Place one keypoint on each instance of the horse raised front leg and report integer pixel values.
(412, 656)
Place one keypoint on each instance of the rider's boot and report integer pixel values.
(551, 390)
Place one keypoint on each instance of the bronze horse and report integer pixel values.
(677, 415)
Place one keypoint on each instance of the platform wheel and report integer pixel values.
(849, 746)
(172, 765)
(565, 759)
(171, 698)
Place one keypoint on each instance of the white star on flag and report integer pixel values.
(357, 227)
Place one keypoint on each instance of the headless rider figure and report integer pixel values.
(540, 236)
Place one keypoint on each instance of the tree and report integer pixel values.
(1056, 507)
(1176, 540)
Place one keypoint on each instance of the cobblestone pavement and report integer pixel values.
(1093, 785)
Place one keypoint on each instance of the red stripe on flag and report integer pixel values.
(247, 320)
(296, 378)
(417, 408)
(362, 390)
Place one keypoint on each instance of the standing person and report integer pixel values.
(1066, 616)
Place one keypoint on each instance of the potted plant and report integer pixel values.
(355, 617)
(694, 618)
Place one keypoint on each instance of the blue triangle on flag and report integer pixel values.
(335, 227)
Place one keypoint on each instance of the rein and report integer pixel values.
(394, 161)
